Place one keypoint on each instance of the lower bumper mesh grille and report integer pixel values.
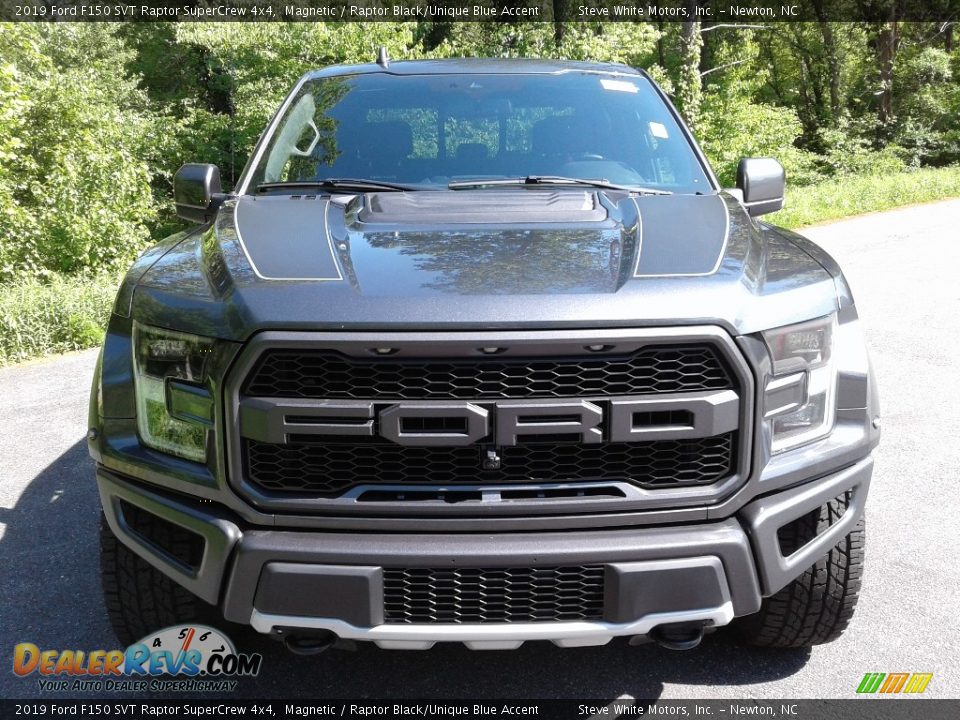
(335, 467)
(492, 595)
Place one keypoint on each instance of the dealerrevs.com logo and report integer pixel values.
(198, 657)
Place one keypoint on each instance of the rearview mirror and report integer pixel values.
(762, 182)
(197, 191)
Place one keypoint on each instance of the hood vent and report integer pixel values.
(514, 206)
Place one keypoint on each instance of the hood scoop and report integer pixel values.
(481, 207)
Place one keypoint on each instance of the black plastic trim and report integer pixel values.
(353, 594)
(725, 540)
(235, 557)
(468, 344)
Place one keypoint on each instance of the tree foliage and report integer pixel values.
(75, 182)
(96, 118)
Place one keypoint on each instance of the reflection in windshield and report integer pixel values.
(430, 130)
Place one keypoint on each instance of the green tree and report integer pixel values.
(689, 88)
(76, 186)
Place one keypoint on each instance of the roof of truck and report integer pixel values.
(478, 66)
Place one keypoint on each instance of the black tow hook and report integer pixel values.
(678, 636)
(310, 644)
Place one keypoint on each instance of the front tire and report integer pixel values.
(817, 607)
(139, 598)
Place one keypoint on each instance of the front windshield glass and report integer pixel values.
(430, 130)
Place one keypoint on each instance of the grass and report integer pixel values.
(63, 314)
(70, 313)
(856, 195)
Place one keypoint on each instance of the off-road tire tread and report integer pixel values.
(817, 607)
(139, 598)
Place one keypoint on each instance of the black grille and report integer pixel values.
(330, 375)
(478, 595)
(332, 467)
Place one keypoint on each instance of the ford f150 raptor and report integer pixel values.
(480, 351)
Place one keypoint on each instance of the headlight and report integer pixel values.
(174, 402)
(800, 397)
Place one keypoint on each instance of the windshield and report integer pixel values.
(430, 130)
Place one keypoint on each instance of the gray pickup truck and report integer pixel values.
(480, 351)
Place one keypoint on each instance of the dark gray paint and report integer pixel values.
(767, 515)
(735, 544)
(197, 191)
(274, 420)
(853, 437)
(219, 533)
(724, 540)
(460, 276)
(762, 182)
(354, 593)
(397, 273)
(844, 294)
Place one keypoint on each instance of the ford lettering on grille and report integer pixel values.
(500, 423)
(627, 418)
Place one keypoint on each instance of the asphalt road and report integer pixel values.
(903, 267)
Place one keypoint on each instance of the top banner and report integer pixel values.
(703, 11)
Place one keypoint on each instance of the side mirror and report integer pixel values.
(197, 192)
(762, 182)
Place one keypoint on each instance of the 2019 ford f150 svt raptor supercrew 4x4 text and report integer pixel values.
(480, 351)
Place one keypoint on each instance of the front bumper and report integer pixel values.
(279, 580)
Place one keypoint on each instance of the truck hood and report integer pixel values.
(493, 258)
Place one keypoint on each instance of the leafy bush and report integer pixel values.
(629, 43)
(733, 128)
(848, 150)
(927, 112)
(858, 194)
(735, 124)
(57, 315)
(254, 65)
(75, 188)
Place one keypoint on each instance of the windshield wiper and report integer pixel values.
(334, 184)
(553, 180)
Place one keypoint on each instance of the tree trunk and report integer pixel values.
(886, 55)
(707, 52)
(436, 33)
(833, 67)
(833, 61)
(559, 15)
(661, 55)
(689, 88)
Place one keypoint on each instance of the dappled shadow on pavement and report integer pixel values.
(49, 581)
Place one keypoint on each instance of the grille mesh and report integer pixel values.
(330, 375)
(335, 467)
(479, 595)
